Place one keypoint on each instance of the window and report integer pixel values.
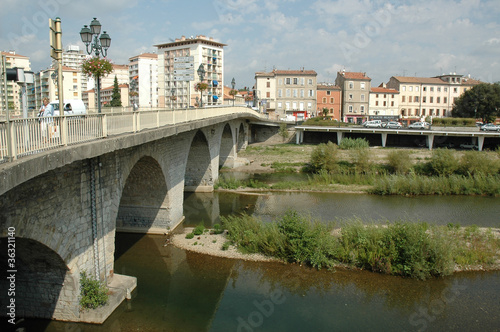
(295, 80)
(403, 99)
(403, 88)
(455, 90)
(280, 105)
(410, 88)
(309, 105)
(268, 84)
(362, 97)
(416, 99)
(350, 108)
(280, 93)
(324, 100)
(280, 81)
(287, 80)
(301, 93)
(75, 94)
(385, 103)
(445, 100)
(351, 85)
(328, 92)
(439, 89)
(438, 100)
(288, 92)
(310, 81)
(268, 94)
(416, 88)
(287, 104)
(311, 93)
(437, 112)
(376, 96)
(294, 105)
(295, 93)
(331, 100)
(445, 89)
(392, 103)
(362, 108)
(75, 80)
(431, 99)
(301, 81)
(362, 85)
(301, 106)
(423, 112)
(350, 96)
(432, 89)
(409, 99)
(376, 103)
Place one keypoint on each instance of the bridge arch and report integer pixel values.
(144, 203)
(242, 141)
(227, 151)
(43, 286)
(198, 174)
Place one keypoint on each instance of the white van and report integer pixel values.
(71, 106)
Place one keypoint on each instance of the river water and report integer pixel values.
(183, 291)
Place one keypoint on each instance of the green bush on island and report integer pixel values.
(407, 249)
(93, 293)
(198, 230)
(348, 143)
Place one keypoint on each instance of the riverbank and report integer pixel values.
(212, 245)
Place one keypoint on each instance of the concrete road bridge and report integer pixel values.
(69, 183)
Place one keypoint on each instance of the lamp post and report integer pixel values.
(99, 45)
(201, 74)
(233, 83)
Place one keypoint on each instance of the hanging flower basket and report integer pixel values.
(200, 86)
(97, 67)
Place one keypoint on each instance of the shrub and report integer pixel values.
(283, 131)
(198, 230)
(399, 161)
(189, 235)
(351, 143)
(218, 229)
(324, 157)
(475, 162)
(93, 293)
(362, 161)
(444, 162)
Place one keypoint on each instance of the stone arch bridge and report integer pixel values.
(65, 205)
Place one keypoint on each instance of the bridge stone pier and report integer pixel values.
(67, 204)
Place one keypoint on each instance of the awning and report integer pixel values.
(215, 97)
(215, 82)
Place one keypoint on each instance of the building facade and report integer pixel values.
(13, 60)
(355, 88)
(73, 57)
(45, 86)
(89, 97)
(143, 78)
(384, 104)
(329, 96)
(178, 65)
(287, 93)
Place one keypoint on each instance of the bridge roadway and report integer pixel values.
(477, 137)
(65, 203)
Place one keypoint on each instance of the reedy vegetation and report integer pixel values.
(407, 249)
(474, 173)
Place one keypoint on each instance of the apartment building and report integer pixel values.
(73, 57)
(89, 97)
(287, 93)
(429, 96)
(178, 65)
(355, 88)
(45, 86)
(13, 60)
(384, 104)
(329, 96)
(143, 78)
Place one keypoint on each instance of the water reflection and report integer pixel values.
(441, 210)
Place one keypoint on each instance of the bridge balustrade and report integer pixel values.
(23, 137)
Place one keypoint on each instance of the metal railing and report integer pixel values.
(23, 137)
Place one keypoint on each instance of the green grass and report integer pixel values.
(407, 249)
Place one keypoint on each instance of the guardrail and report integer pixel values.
(23, 137)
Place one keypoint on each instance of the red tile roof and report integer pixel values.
(423, 80)
(355, 75)
(383, 90)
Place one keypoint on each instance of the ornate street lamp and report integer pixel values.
(99, 46)
(201, 74)
(233, 83)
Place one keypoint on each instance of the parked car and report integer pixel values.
(419, 125)
(469, 146)
(373, 124)
(490, 127)
(393, 125)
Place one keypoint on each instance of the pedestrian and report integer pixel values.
(45, 111)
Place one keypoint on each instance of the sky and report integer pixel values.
(381, 38)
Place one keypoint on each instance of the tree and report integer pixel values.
(116, 97)
(325, 112)
(482, 101)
